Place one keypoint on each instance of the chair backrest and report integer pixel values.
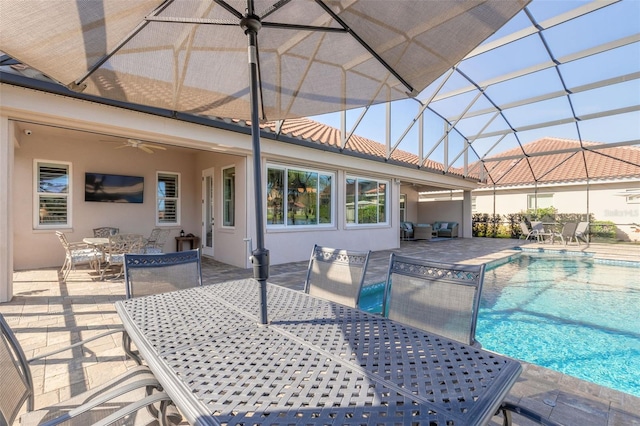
(336, 274)
(569, 229)
(146, 274)
(157, 238)
(17, 384)
(537, 227)
(125, 243)
(524, 228)
(582, 230)
(105, 232)
(63, 240)
(435, 297)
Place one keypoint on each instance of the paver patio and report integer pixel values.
(46, 314)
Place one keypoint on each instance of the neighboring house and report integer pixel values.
(58, 149)
(610, 193)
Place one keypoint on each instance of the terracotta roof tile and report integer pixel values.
(596, 164)
(307, 129)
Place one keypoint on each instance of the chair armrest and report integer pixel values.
(81, 343)
(136, 406)
(106, 397)
(79, 245)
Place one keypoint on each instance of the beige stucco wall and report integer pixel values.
(228, 242)
(211, 147)
(442, 211)
(40, 248)
(605, 201)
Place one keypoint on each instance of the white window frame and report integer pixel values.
(232, 200)
(532, 204)
(387, 184)
(37, 194)
(286, 169)
(177, 199)
(403, 207)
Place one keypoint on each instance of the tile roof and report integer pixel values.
(598, 163)
(322, 134)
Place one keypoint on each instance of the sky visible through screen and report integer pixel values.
(598, 57)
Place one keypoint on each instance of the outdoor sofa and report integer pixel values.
(415, 231)
(446, 229)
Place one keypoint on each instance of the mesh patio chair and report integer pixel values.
(105, 232)
(156, 241)
(119, 245)
(146, 274)
(582, 232)
(123, 397)
(435, 297)
(526, 232)
(76, 254)
(336, 274)
(538, 229)
(567, 234)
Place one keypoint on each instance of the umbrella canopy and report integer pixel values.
(249, 59)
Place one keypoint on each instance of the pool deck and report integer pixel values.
(47, 313)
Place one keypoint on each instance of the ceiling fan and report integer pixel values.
(135, 143)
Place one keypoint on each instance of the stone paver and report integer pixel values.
(46, 313)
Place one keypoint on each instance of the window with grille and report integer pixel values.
(366, 201)
(52, 194)
(229, 196)
(299, 197)
(168, 198)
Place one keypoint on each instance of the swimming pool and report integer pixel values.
(566, 313)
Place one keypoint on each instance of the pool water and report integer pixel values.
(568, 314)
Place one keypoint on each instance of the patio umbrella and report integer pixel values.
(249, 59)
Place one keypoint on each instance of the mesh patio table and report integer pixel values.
(316, 362)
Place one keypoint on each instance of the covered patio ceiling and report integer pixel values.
(565, 71)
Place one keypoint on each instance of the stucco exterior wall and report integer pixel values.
(442, 211)
(199, 147)
(606, 201)
(36, 248)
(228, 242)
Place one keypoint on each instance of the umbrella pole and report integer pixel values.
(259, 256)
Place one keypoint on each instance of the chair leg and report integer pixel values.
(506, 408)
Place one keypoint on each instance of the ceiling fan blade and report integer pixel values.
(150, 145)
(121, 146)
(145, 149)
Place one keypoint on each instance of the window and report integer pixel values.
(52, 194)
(229, 197)
(474, 205)
(298, 197)
(543, 201)
(366, 201)
(403, 207)
(168, 199)
(632, 196)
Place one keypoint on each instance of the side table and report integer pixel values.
(194, 242)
